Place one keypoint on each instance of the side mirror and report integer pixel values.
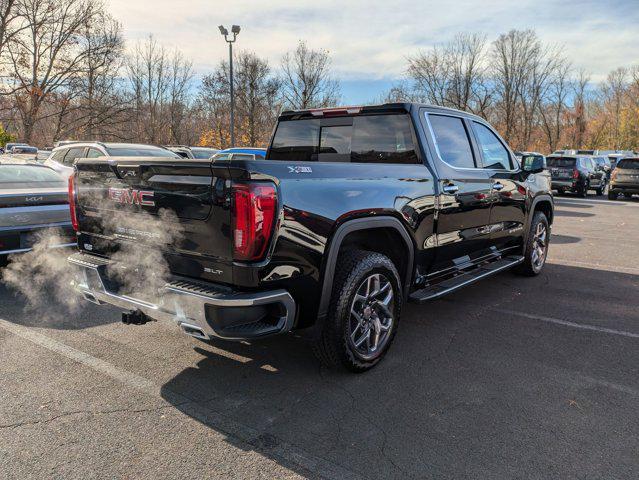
(533, 163)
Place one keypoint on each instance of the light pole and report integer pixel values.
(235, 30)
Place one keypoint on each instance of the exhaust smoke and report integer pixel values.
(137, 242)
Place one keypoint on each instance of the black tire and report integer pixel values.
(529, 267)
(335, 347)
(583, 190)
(561, 191)
(612, 195)
(601, 189)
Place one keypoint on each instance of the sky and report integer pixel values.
(370, 41)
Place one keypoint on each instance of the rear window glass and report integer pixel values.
(16, 174)
(218, 157)
(555, 162)
(629, 164)
(296, 140)
(24, 149)
(140, 152)
(203, 153)
(73, 154)
(360, 139)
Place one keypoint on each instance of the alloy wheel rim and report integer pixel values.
(540, 246)
(371, 316)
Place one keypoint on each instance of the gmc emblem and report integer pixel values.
(131, 197)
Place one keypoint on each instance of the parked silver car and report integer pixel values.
(33, 198)
(62, 158)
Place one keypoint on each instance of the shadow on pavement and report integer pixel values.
(566, 213)
(465, 391)
(564, 239)
(51, 312)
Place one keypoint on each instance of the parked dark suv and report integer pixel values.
(577, 174)
(624, 178)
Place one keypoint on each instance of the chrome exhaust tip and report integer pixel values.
(194, 331)
(91, 298)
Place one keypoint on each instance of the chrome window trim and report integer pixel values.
(439, 156)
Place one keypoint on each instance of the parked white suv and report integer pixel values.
(62, 158)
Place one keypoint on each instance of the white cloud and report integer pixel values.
(371, 39)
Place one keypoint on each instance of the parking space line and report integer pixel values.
(566, 323)
(220, 423)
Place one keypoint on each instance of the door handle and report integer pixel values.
(451, 188)
(497, 186)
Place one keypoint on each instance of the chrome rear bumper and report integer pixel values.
(197, 308)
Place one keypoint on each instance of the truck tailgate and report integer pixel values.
(177, 206)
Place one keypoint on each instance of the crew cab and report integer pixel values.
(353, 212)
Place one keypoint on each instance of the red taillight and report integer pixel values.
(613, 175)
(575, 173)
(74, 217)
(254, 213)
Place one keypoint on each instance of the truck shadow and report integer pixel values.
(451, 387)
(568, 213)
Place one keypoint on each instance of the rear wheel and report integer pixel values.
(583, 190)
(536, 248)
(601, 189)
(612, 195)
(364, 312)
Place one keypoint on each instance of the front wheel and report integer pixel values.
(364, 312)
(612, 195)
(536, 248)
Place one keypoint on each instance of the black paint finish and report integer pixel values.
(420, 222)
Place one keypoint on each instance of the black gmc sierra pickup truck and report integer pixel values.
(354, 212)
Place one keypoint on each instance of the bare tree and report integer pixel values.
(453, 74)
(10, 24)
(160, 83)
(306, 79)
(48, 54)
(256, 92)
(580, 122)
(555, 106)
(180, 76)
(521, 69)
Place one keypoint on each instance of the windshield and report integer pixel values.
(630, 164)
(555, 162)
(16, 176)
(140, 152)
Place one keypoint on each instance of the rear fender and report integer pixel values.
(334, 248)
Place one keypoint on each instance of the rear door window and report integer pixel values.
(451, 139)
(496, 156)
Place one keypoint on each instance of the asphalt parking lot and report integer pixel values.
(509, 378)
